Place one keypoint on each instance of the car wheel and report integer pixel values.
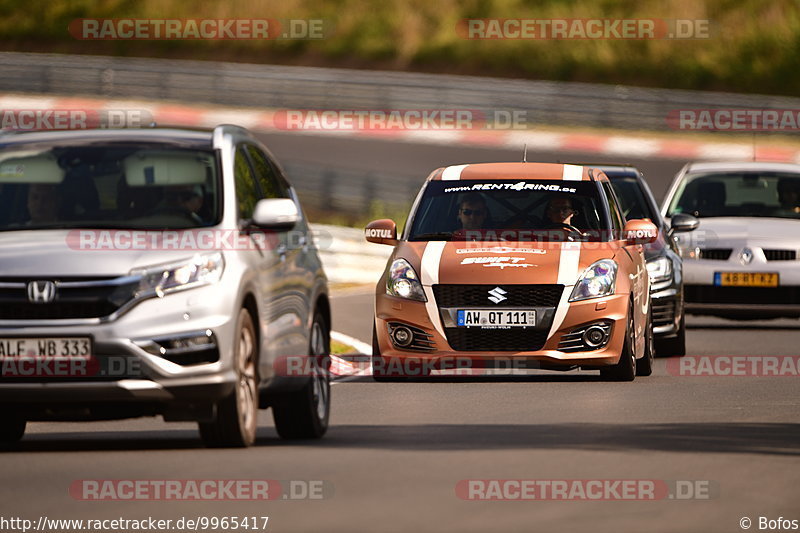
(236, 416)
(304, 414)
(11, 429)
(644, 366)
(625, 369)
(673, 346)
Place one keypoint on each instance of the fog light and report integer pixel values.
(402, 336)
(594, 336)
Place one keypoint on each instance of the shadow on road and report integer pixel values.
(748, 438)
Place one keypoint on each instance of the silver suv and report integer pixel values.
(158, 272)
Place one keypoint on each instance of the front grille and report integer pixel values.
(75, 298)
(717, 254)
(663, 312)
(515, 295)
(780, 255)
(742, 295)
(494, 340)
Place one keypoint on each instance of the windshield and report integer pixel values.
(739, 194)
(632, 198)
(108, 186)
(528, 210)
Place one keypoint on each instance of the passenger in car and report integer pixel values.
(472, 212)
(42, 204)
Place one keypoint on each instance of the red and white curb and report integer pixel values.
(623, 146)
(343, 368)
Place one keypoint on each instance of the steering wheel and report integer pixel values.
(570, 228)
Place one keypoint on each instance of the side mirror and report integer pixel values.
(383, 231)
(276, 214)
(640, 231)
(682, 222)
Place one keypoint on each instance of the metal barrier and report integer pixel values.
(267, 86)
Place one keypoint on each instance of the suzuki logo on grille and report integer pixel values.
(746, 256)
(497, 295)
(41, 292)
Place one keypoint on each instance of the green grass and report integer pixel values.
(755, 45)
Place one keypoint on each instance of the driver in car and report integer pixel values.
(559, 211)
(789, 194)
(187, 199)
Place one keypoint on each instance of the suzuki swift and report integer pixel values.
(530, 265)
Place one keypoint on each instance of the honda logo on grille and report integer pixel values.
(41, 292)
(497, 295)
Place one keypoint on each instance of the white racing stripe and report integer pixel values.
(568, 264)
(572, 173)
(429, 266)
(453, 173)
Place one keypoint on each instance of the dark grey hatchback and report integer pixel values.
(664, 262)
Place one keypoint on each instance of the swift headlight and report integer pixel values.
(597, 280)
(163, 279)
(659, 269)
(403, 282)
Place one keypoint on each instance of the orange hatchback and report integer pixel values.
(514, 265)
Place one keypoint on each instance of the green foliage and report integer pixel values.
(755, 45)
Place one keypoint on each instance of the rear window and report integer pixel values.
(518, 210)
(115, 185)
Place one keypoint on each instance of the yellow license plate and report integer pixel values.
(746, 279)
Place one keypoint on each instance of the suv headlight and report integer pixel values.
(596, 281)
(403, 282)
(202, 269)
(659, 269)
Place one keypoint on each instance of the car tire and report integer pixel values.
(304, 414)
(625, 369)
(236, 416)
(673, 346)
(644, 366)
(12, 429)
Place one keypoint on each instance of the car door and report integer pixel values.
(293, 294)
(635, 267)
(262, 256)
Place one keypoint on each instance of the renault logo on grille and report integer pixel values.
(41, 292)
(497, 295)
(746, 256)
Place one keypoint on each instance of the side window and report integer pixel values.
(271, 184)
(616, 215)
(246, 192)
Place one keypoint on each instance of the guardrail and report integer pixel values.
(347, 256)
(248, 85)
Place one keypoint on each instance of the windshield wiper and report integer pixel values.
(441, 236)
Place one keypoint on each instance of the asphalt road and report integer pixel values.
(396, 452)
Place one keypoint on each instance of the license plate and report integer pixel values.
(45, 347)
(494, 318)
(746, 279)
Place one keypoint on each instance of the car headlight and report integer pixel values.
(202, 269)
(659, 269)
(597, 280)
(404, 282)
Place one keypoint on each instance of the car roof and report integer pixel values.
(510, 171)
(189, 138)
(742, 166)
